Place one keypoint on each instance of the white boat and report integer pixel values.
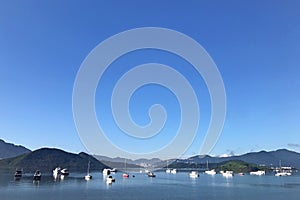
(106, 171)
(283, 171)
(64, 172)
(210, 172)
(110, 180)
(258, 173)
(168, 171)
(151, 174)
(88, 176)
(56, 172)
(194, 174)
(173, 171)
(37, 175)
(228, 174)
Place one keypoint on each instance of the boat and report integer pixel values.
(228, 174)
(151, 174)
(64, 172)
(56, 172)
(194, 174)
(18, 174)
(106, 171)
(125, 174)
(283, 171)
(210, 172)
(241, 174)
(113, 170)
(258, 173)
(37, 175)
(168, 171)
(173, 171)
(110, 180)
(88, 176)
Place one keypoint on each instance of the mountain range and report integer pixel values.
(8, 150)
(46, 159)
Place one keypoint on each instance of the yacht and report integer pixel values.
(110, 180)
(88, 176)
(64, 172)
(228, 174)
(37, 175)
(210, 172)
(168, 171)
(194, 174)
(173, 171)
(151, 174)
(258, 173)
(56, 172)
(106, 171)
(283, 171)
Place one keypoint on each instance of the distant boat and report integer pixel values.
(114, 170)
(173, 171)
(227, 174)
(64, 172)
(210, 172)
(258, 173)
(18, 174)
(125, 174)
(56, 172)
(106, 171)
(168, 170)
(37, 175)
(88, 176)
(110, 180)
(241, 174)
(194, 174)
(283, 171)
(151, 174)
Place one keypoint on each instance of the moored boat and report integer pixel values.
(37, 175)
(258, 173)
(151, 174)
(64, 172)
(194, 174)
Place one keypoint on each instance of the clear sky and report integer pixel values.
(255, 45)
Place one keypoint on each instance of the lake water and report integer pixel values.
(163, 186)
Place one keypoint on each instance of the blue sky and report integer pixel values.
(255, 45)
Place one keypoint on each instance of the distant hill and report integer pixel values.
(272, 158)
(8, 150)
(46, 159)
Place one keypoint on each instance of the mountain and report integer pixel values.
(8, 150)
(272, 158)
(46, 159)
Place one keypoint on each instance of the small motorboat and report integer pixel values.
(110, 180)
(125, 175)
(228, 174)
(151, 174)
(18, 174)
(258, 173)
(106, 171)
(168, 171)
(37, 175)
(64, 172)
(194, 174)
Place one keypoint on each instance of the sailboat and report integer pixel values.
(125, 175)
(282, 172)
(88, 176)
(210, 172)
(168, 170)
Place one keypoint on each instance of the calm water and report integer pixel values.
(164, 186)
